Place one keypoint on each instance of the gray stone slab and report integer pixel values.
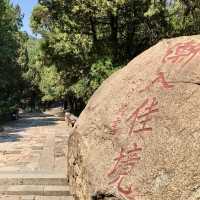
(55, 198)
(47, 157)
(33, 197)
(33, 179)
(24, 190)
(35, 190)
(56, 190)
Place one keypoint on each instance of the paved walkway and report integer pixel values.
(33, 147)
(34, 143)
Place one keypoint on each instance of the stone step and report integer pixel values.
(31, 197)
(48, 190)
(33, 179)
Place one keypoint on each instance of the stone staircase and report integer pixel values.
(33, 161)
(34, 186)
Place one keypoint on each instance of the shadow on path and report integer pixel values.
(15, 130)
(35, 114)
(7, 137)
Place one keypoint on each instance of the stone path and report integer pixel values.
(35, 198)
(32, 159)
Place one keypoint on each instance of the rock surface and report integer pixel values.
(138, 138)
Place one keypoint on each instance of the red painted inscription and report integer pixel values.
(124, 164)
(142, 115)
(182, 52)
(117, 121)
(161, 80)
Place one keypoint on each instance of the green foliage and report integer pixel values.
(51, 84)
(39, 17)
(35, 63)
(45, 82)
(87, 40)
(100, 70)
(185, 17)
(11, 82)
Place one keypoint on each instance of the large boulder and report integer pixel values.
(139, 136)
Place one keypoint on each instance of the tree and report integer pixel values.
(80, 37)
(51, 84)
(11, 81)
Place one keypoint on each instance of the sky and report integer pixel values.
(26, 8)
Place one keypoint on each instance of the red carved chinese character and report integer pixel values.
(141, 116)
(182, 52)
(117, 121)
(124, 163)
(128, 192)
(114, 125)
(160, 79)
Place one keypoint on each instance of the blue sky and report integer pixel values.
(26, 7)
